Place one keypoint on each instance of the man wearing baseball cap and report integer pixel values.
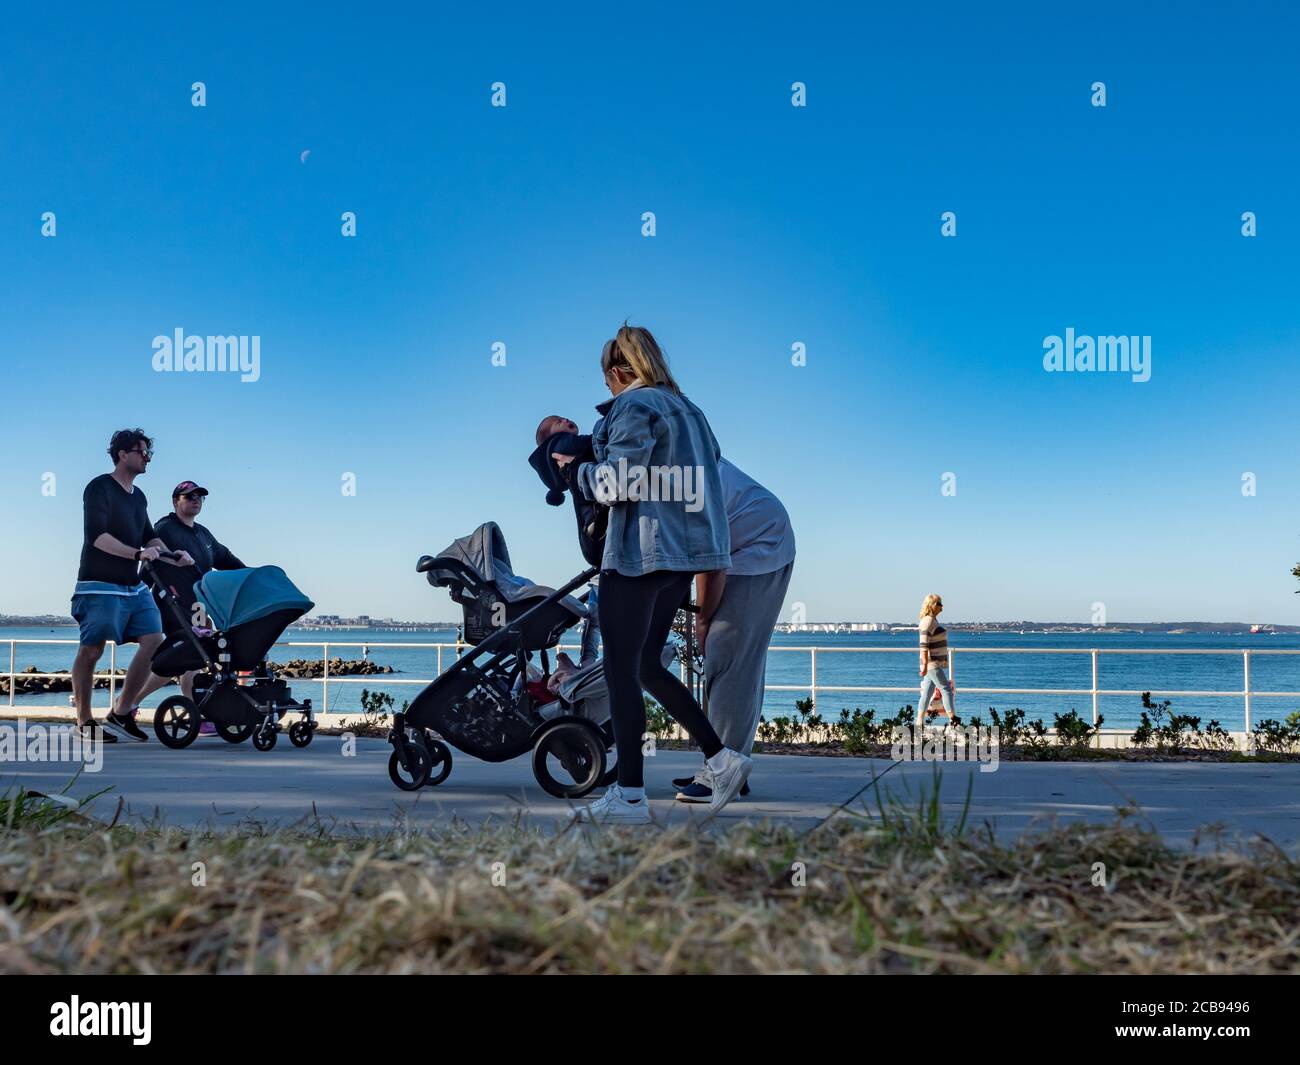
(181, 532)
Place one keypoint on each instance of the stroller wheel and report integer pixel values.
(176, 722)
(440, 762)
(569, 759)
(234, 733)
(264, 738)
(300, 733)
(412, 778)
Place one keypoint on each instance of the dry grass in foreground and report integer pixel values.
(892, 893)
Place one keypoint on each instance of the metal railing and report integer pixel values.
(813, 688)
(1094, 692)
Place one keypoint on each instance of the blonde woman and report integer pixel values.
(934, 660)
(655, 544)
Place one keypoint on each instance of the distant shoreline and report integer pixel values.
(1170, 628)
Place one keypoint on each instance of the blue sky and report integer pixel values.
(775, 225)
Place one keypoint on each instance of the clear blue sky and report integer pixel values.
(776, 224)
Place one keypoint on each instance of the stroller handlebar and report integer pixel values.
(147, 567)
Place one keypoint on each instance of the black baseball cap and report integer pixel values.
(185, 488)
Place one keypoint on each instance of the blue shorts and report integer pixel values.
(121, 616)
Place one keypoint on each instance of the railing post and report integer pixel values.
(1245, 691)
(13, 681)
(1094, 692)
(439, 648)
(325, 676)
(112, 677)
(813, 652)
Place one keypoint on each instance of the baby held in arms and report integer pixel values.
(559, 436)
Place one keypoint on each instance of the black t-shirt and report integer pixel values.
(110, 508)
(207, 552)
(204, 548)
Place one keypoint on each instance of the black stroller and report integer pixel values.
(483, 704)
(247, 610)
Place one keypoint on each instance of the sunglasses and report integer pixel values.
(193, 497)
(146, 452)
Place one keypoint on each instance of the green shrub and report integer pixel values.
(809, 722)
(1010, 725)
(1073, 732)
(1167, 732)
(658, 722)
(376, 714)
(859, 731)
(1216, 738)
(903, 719)
(1036, 741)
(1281, 737)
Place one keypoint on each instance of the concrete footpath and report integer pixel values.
(215, 783)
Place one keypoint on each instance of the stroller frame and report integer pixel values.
(577, 741)
(177, 719)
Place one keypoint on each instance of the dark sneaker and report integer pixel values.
(125, 727)
(90, 732)
(683, 783)
(694, 792)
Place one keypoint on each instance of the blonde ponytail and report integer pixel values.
(637, 354)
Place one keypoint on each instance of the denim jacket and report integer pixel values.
(657, 469)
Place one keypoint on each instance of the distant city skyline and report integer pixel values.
(362, 621)
(868, 284)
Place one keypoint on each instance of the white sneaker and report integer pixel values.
(727, 781)
(613, 808)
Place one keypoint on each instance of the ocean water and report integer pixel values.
(843, 662)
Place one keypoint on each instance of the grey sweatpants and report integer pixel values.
(735, 654)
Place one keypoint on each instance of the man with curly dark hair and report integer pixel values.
(110, 602)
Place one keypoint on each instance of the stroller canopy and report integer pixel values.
(484, 551)
(237, 596)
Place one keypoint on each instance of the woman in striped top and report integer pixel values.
(934, 660)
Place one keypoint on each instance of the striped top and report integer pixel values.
(934, 642)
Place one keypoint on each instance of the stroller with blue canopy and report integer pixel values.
(493, 703)
(240, 615)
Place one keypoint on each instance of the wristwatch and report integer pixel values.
(138, 552)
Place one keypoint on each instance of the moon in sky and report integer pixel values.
(304, 155)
